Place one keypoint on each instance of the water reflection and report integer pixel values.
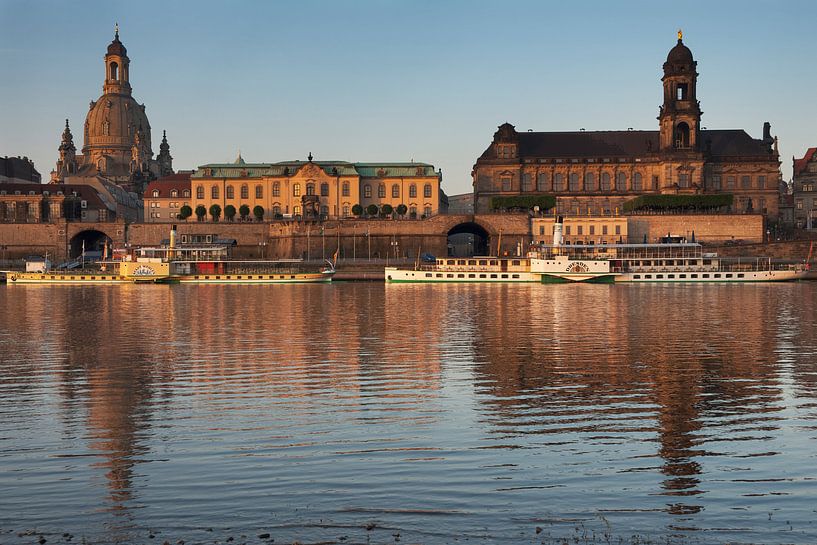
(411, 402)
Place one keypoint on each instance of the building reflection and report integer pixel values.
(684, 364)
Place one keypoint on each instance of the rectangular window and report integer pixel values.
(683, 181)
(427, 191)
(603, 229)
(381, 191)
(592, 229)
(579, 230)
(745, 182)
(761, 182)
(345, 189)
(798, 204)
(367, 191)
(618, 229)
(567, 230)
(716, 182)
(525, 181)
(259, 192)
(730, 182)
(506, 184)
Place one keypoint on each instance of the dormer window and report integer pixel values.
(174, 193)
(506, 151)
(155, 193)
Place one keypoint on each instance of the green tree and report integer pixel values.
(371, 210)
(201, 211)
(387, 210)
(185, 212)
(402, 209)
(258, 212)
(357, 210)
(244, 210)
(215, 212)
(229, 212)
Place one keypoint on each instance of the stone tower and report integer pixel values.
(680, 115)
(164, 159)
(67, 163)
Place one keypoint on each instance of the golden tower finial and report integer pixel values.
(680, 35)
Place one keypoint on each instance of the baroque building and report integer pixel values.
(319, 189)
(596, 172)
(804, 182)
(117, 134)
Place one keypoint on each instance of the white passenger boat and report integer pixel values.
(602, 263)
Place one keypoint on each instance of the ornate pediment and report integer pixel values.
(311, 170)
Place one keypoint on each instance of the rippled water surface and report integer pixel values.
(364, 413)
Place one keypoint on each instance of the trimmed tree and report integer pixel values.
(371, 210)
(215, 212)
(201, 211)
(402, 209)
(387, 210)
(357, 210)
(185, 212)
(244, 211)
(258, 212)
(229, 212)
(523, 202)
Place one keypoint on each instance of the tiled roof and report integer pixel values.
(19, 167)
(801, 164)
(579, 144)
(179, 181)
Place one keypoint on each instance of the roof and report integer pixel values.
(179, 181)
(801, 164)
(331, 168)
(19, 167)
(627, 144)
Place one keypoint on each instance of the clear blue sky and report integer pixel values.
(428, 80)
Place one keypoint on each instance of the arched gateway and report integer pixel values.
(467, 239)
(91, 241)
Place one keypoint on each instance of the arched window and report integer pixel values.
(589, 182)
(605, 181)
(381, 191)
(276, 210)
(345, 189)
(682, 135)
(114, 71)
(296, 190)
(395, 191)
(542, 182)
(199, 191)
(155, 193)
(296, 210)
(259, 192)
(214, 192)
(413, 211)
(230, 192)
(324, 211)
(346, 210)
(621, 182)
(412, 191)
(558, 182)
(573, 182)
(310, 188)
(245, 192)
(367, 191)
(276, 189)
(427, 211)
(174, 193)
(637, 184)
(427, 191)
(324, 189)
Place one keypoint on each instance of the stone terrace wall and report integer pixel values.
(708, 228)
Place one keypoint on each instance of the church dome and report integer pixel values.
(680, 54)
(117, 48)
(113, 122)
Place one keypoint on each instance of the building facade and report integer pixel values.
(597, 171)
(117, 134)
(165, 197)
(325, 189)
(804, 196)
(38, 203)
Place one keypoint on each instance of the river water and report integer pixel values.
(371, 413)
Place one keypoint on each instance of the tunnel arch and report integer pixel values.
(94, 243)
(467, 239)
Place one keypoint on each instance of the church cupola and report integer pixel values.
(116, 67)
(680, 115)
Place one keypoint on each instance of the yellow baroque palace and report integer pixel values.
(329, 189)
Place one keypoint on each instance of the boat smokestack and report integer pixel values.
(557, 231)
(173, 236)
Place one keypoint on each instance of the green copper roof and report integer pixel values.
(331, 168)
